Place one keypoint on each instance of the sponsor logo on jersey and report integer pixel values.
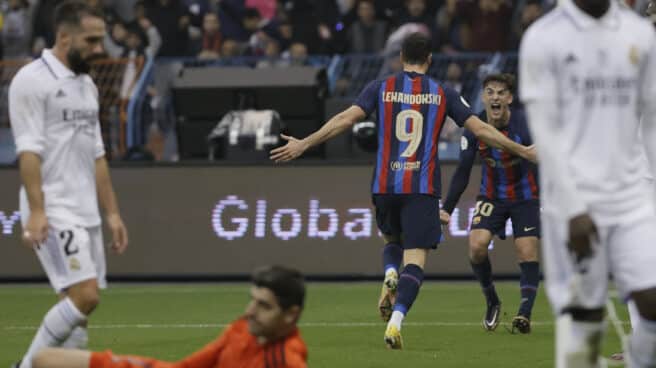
(405, 166)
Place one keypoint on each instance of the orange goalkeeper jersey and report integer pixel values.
(235, 348)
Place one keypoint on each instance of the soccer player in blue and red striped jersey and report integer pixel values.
(411, 109)
(509, 189)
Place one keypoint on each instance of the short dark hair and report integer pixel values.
(286, 284)
(416, 48)
(504, 78)
(71, 12)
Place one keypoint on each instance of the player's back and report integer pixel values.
(411, 112)
(596, 68)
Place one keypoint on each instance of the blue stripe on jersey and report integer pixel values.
(484, 179)
(502, 180)
(398, 176)
(428, 138)
(381, 135)
(526, 186)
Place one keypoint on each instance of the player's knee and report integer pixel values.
(645, 300)
(477, 251)
(86, 299)
(586, 315)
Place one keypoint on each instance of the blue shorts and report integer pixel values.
(414, 218)
(492, 215)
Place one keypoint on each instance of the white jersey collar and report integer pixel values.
(56, 67)
(584, 21)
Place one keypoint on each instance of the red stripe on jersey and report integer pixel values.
(506, 159)
(533, 184)
(384, 165)
(408, 174)
(436, 132)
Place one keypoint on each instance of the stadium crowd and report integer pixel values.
(289, 28)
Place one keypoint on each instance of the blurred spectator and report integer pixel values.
(197, 10)
(297, 55)
(267, 8)
(529, 13)
(454, 77)
(137, 38)
(43, 34)
(211, 41)
(415, 11)
(172, 21)
(367, 34)
(231, 13)
(17, 29)
(272, 56)
(487, 22)
(449, 28)
(230, 48)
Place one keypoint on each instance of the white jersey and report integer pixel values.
(54, 113)
(587, 81)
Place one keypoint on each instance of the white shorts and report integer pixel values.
(624, 250)
(73, 254)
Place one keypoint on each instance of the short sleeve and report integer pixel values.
(100, 145)
(457, 108)
(367, 99)
(648, 75)
(537, 70)
(27, 114)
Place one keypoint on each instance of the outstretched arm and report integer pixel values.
(336, 125)
(491, 136)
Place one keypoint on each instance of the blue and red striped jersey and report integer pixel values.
(411, 110)
(504, 176)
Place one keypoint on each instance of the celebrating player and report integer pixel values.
(411, 109)
(508, 190)
(587, 73)
(53, 106)
(266, 336)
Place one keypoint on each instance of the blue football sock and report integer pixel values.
(528, 284)
(392, 257)
(409, 284)
(483, 272)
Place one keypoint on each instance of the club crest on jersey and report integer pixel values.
(405, 166)
(634, 55)
(74, 264)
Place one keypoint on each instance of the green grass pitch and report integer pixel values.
(340, 324)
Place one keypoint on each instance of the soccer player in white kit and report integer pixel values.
(587, 73)
(53, 106)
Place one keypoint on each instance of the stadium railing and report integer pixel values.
(116, 80)
(125, 85)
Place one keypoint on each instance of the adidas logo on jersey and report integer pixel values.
(60, 94)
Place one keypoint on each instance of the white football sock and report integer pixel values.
(396, 319)
(78, 339)
(577, 342)
(642, 345)
(57, 325)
